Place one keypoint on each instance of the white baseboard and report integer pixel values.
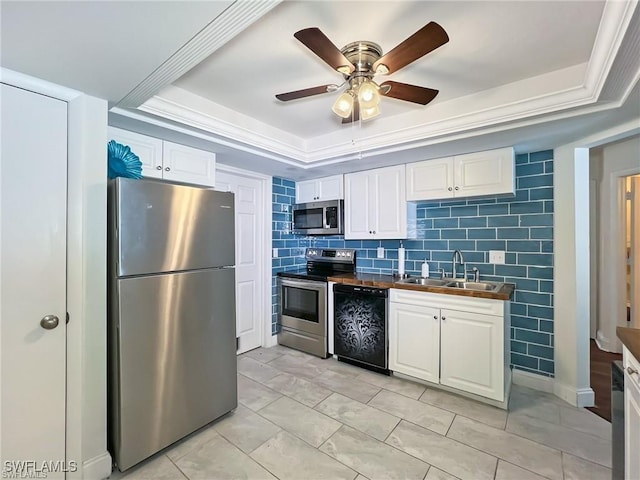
(531, 380)
(97, 468)
(582, 397)
(270, 341)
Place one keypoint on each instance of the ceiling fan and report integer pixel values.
(360, 61)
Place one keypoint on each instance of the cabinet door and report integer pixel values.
(357, 206)
(148, 149)
(389, 216)
(485, 173)
(414, 341)
(307, 191)
(472, 352)
(429, 180)
(330, 188)
(631, 425)
(189, 165)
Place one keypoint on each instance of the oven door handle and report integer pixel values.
(310, 285)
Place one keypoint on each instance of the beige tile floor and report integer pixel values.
(301, 417)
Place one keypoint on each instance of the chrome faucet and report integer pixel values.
(454, 273)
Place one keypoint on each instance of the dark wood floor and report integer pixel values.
(601, 379)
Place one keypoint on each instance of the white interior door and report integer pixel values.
(33, 176)
(250, 253)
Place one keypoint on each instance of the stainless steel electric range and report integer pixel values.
(303, 299)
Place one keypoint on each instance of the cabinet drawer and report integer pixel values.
(451, 302)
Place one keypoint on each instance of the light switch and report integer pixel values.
(380, 252)
(496, 257)
(275, 253)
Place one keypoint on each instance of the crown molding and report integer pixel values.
(238, 16)
(614, 24)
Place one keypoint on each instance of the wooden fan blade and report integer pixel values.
(307, 92)
(318, 43)
(408, 93)
(355, 115)
(425, 40)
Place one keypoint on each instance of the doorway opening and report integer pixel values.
(632, 248)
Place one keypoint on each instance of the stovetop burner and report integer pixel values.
(323, 263)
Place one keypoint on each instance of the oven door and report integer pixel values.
(302, 305)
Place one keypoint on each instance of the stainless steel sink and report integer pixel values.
(484, 286)
(431, 282)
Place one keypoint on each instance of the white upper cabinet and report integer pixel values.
(190, 165)
(375, 204)
(148, 149)
(474, 174)
(168, 161)
(320, 189)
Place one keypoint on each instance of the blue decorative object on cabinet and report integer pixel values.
(122, 162)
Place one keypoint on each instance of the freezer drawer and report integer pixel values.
(165, 227)
(173, 359)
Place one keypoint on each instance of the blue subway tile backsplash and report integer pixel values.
(521, 225)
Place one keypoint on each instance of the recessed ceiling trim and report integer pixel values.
(223, 28)
(188, 115)
(614, 23)
(195, 131)
(451, 122)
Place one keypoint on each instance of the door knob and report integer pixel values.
(49, 322)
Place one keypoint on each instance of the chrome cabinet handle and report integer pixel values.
(167, 169)
(631, 371)
(457, 188)
(158, 167)
(49, 322)
(435, 317)
(444, 318)
(449, 188)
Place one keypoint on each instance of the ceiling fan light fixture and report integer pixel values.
(344, 69)
(368, 95)
(367, 113)
(382, 69)
(343, 105)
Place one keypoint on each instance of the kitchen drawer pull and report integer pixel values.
(631, 371)
(435, 317)
(158, 167)
(167, 169)
(444, 318)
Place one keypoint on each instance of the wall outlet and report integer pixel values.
(274, 253)
(380, 252)
(496, 256)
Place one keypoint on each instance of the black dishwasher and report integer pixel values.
(360, 326)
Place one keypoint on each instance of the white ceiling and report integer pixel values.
(104, 48)
(533, 74)
(491, 44)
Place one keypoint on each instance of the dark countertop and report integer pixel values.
(388, 281)
(630, 338)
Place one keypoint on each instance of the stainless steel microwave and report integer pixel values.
(318, 218)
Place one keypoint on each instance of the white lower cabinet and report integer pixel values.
(631, 416)
(414, 341)
(451, 340)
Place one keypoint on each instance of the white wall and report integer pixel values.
(571, 275)
(619, 159)
(86, 278)
(595, 179)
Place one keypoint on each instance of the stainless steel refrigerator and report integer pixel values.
(171, 327)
